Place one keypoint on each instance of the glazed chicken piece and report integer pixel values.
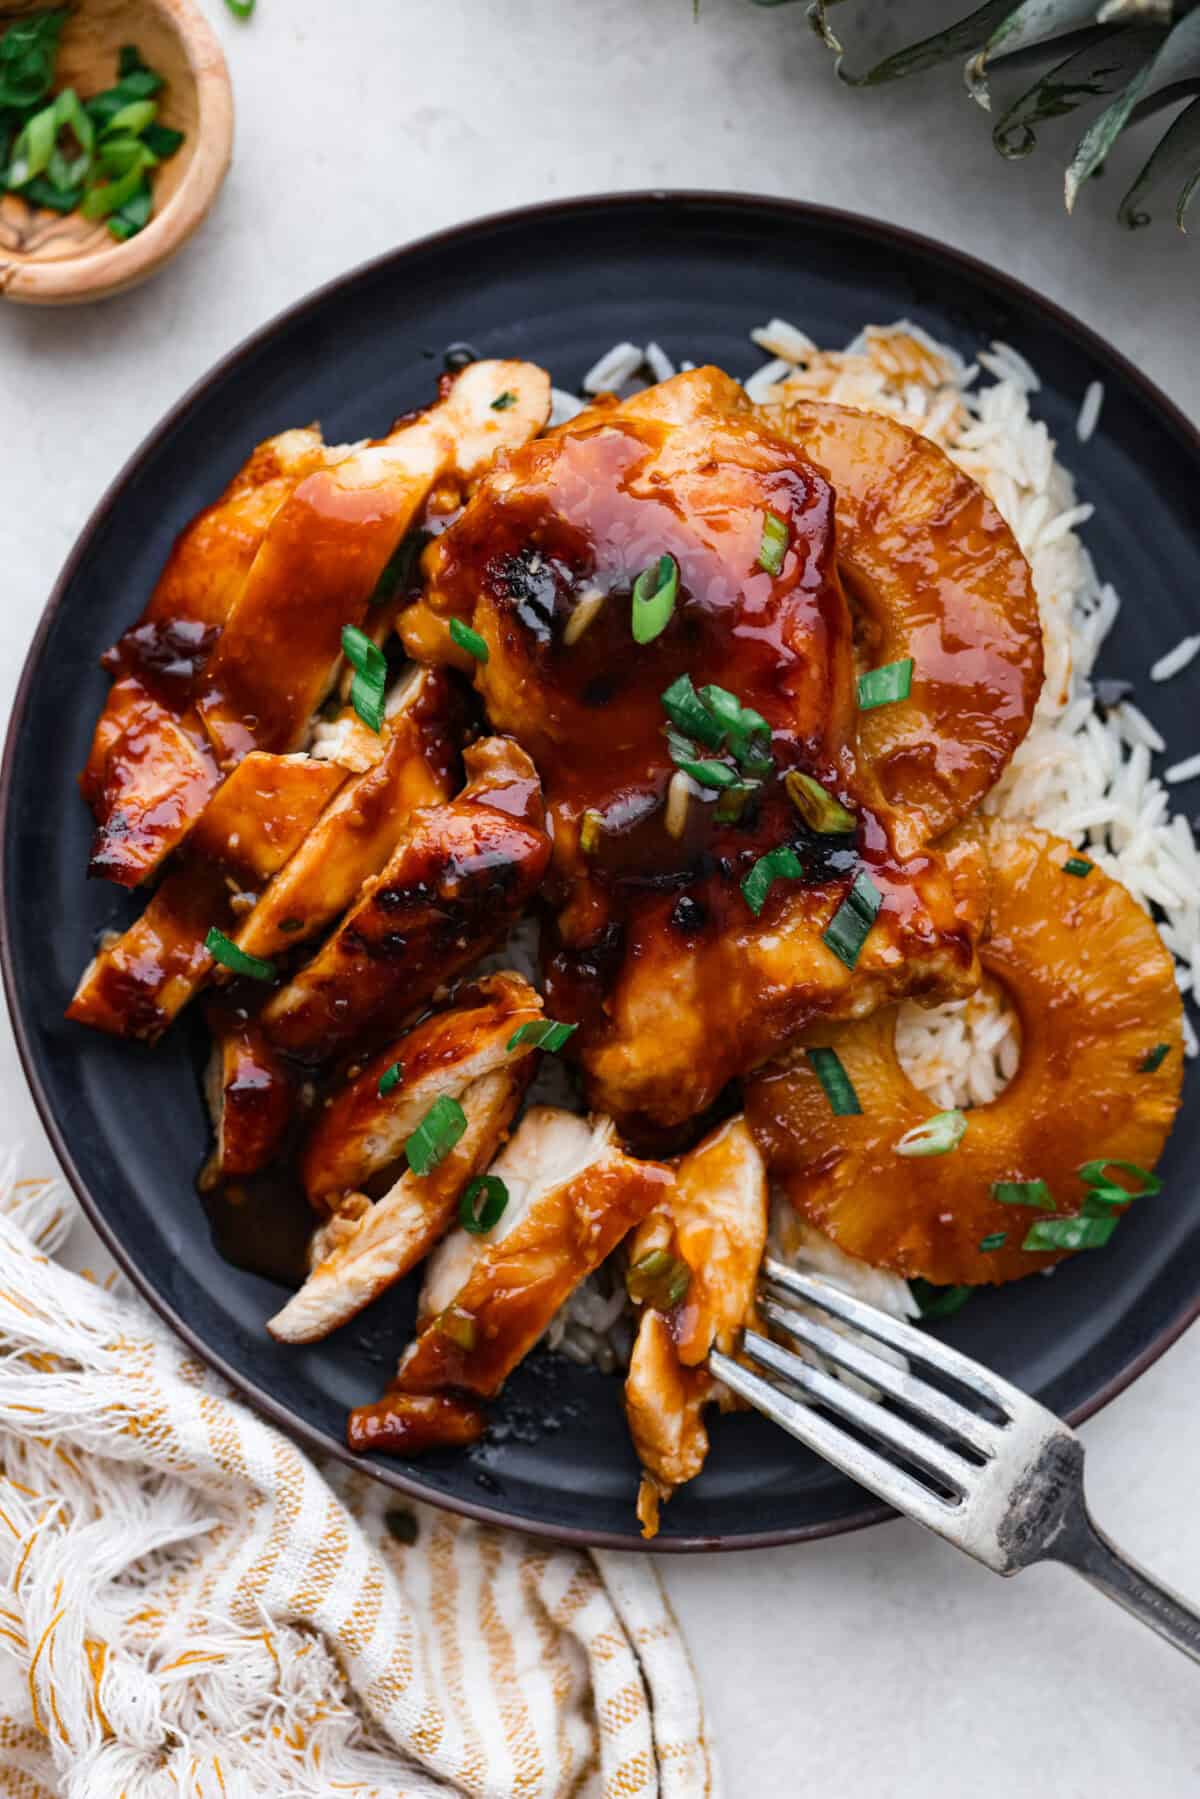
(249, 1096)
(144, 759)
(937, 576)
(572, 1194)
(466, 1054)
(137, 984)
(314, 572)
(678, 985)
(460, 877)
(1098, 1083)
(412, 763)
(694, 1261)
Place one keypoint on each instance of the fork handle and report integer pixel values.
(1084, 1547)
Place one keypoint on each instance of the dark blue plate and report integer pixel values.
(559, 284)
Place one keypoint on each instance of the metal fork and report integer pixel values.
(990, 1470)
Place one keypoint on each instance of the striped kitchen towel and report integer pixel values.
(188, 1607)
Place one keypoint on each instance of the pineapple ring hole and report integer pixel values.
(964, 1053)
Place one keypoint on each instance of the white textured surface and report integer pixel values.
(881, 1664)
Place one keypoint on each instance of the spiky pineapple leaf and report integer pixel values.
(1098, 69)
(944, 46)
(1177, 59)
(1029, 23)
(1177, 153)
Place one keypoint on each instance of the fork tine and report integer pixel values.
(895, 1433)
(863, 1465)
(969, 1427)
(911, 1342)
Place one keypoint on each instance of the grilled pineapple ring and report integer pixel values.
(1095, 991)
(937, 575)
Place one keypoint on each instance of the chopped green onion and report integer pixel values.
(996, 1240)
(819, 810)
(839, 1089)
(468, 640)
(133, 118)
(370, 676)
(936, 1137)
(938, 1302)
(1155, 1059)
(162, 140)
(241, 9)
(850, 925)
(390, 1079)
(779, 864)
(543, 1033)
(684, 707)
(740, 723)
(658, 1279)
(1093, 1173)
(709, 774)
(478, 1218)
(1070, 1233)
(99, 202)
(1023, 1193)
(1075, 865)
(27, 53)
(773, 547)
(458, 1326)
(591, 829)
(654, 595)
(224, 950)
(436, 1135)
(732, 803)
(134, 216)
(883, 686)
(503, 401)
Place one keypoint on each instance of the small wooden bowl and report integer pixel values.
(50, 260)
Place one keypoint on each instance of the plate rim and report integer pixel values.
(802, 213)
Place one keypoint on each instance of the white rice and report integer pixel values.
(615, 367)
(1186, 770)
(1089, 412)
(1175, 660)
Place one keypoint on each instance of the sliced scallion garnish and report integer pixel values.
(658, 1279)
(459, 1326)
(390, 1079)
(938, 1302)
(503, 401)
(826, 1064)
(1094, 1175)
(224, 950)
(1154, 1061)
(709, 774)
(436, 1135)
(468, 640)
(543, 1033)
(241, 9)
(1024, 1193)
(1082, 1232)
(884, 686)
(850, 925)
(370, 676)
(654, 594)
(994, 1240)
(591, 829)
(818, 808)
(937, 1136)
(773, 546)
(779, 864)
(1075, 865)
(685, 709)
(482, 1204)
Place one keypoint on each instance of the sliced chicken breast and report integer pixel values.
(250, 1099)
(458, 880)
(138, 984)
(364, 1247)
(694, 1262)
(573, 1194)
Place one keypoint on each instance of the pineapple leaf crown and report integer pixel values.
(1139, 56)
